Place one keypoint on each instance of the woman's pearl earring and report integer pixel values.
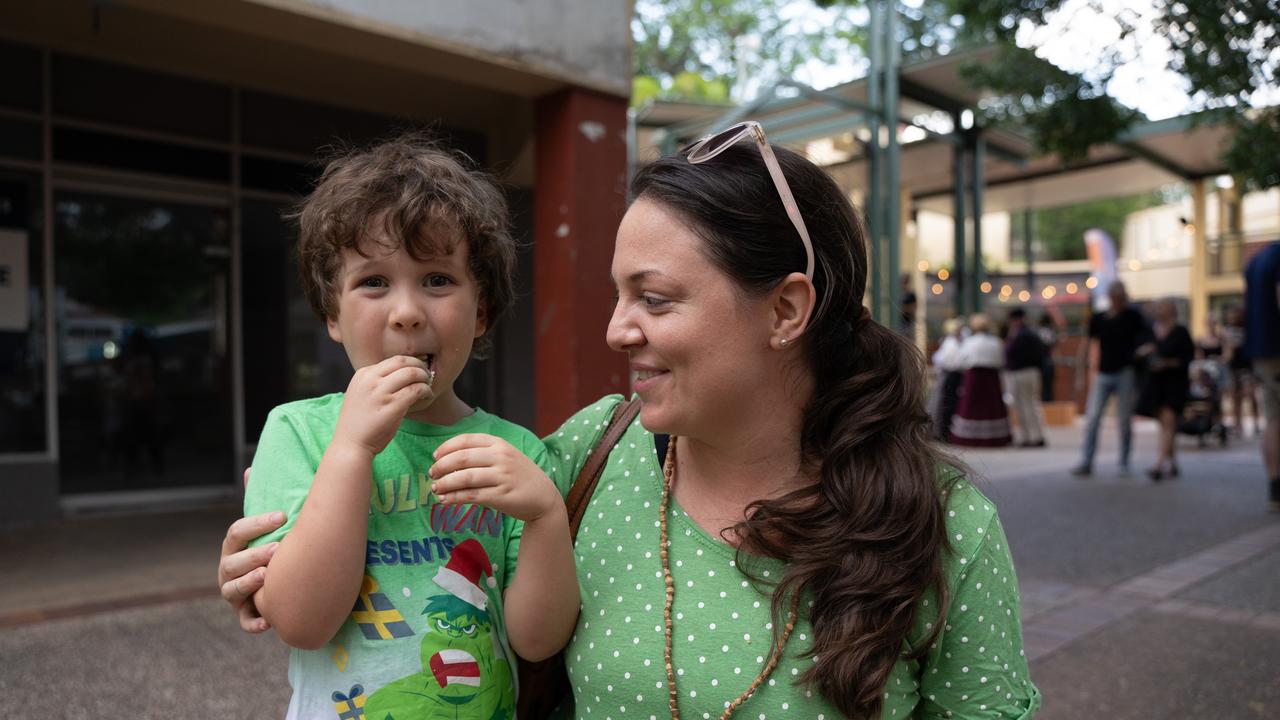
(783, 342)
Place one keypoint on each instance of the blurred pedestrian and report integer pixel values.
(1024, 360)
(1168, 354)
(1262, 343)
(907, 322)
(949, 366)
(1209, 345)
(1239, 369)
(1114, 336)
(981, 418)
(1048, 332)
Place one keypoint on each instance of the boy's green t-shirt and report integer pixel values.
(426, 636)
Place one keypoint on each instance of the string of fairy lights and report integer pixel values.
(1005, 293)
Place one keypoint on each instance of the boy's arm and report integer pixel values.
(315, 574)
(541, 602)
(314, 577)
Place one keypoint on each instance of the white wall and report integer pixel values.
(936, 233)
(584, 40)
(1157, 235)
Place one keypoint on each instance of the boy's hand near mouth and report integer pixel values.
(378, 398)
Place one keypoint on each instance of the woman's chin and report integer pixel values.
(654, 420)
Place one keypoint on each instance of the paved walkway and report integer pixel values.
(1140, 600)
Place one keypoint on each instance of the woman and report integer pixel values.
(946, 362)
(801, 549)
(1164, 396)
(981, 418)
(1240, 369)
(1048, 332)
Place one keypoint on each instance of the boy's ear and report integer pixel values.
(335, 333)
(482, 320)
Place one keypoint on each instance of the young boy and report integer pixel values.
(395, 581)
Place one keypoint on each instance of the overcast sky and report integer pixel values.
(1075, 39)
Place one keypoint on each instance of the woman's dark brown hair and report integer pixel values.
(865, 543)
(423, 197)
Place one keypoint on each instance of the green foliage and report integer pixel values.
(925, 29)
(1254, 156)
(1226, 49)
(1058, 232)
(692, 85)
(998, 19)
(644, 88)
(691, 48)
(1065, 113)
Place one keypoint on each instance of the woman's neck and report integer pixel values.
(721, 472)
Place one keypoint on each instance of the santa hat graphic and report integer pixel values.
(455, 667)
(462, 574)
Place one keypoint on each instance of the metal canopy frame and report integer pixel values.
(794, 113)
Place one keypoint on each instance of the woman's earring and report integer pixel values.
(783, 342)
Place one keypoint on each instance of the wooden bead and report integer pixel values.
(668, 477)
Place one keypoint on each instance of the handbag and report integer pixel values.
(544, 685)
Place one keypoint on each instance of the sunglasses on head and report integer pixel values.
(712, 145)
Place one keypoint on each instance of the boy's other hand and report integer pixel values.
(378, 398)
(483, 469)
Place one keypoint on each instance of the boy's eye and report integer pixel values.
(438, 281)
(373, 282)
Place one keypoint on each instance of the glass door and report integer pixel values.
(144, 394)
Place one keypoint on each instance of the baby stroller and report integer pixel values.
(1202, 416)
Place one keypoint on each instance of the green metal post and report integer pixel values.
(874, 203)
(1028, 230)
(892, 194)
(958, 200)
(979, 181)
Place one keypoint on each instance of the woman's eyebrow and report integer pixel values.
(639, 275)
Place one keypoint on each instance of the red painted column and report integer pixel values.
(579, 197)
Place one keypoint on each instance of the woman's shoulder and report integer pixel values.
(571, 443)
(970, 517)
(591, 419)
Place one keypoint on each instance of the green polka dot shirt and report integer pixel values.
(722, 625)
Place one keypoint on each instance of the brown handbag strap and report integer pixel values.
(585, 484)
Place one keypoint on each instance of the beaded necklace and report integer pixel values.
(668, 479)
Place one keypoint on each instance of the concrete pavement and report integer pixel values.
(1140, 600)
(1144, 599)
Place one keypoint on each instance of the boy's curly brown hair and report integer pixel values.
(425, 198)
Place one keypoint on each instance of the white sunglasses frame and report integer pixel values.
(733, 134)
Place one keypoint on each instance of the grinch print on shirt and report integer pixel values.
(465, 673)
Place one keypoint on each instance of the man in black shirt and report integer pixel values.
(1024, 356)
(1114, 336)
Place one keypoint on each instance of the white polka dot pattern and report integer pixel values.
(722, 629)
